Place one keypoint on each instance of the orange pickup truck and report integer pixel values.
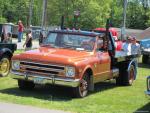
(74, 58)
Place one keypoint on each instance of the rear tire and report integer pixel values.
(5, 65)
(126, 77)
(82, 90)
(145, 59)
(25, 85)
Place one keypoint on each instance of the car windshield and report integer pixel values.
(70, 41)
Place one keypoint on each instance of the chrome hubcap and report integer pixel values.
(131, 76)
(83, 87)
(4, 66)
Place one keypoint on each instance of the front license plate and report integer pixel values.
(39, 81)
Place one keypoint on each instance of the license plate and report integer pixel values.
(39, 81)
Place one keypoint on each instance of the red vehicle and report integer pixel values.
(114, 34)
(74, 59)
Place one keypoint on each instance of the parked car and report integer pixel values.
(145, 50)
(148, 86)
(36, 31)
(9, 28)
(6, 52)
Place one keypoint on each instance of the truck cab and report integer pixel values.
(76, 59)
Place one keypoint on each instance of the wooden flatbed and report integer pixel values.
(121, 56)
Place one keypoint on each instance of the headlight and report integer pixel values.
(70, 71)
(15, 65)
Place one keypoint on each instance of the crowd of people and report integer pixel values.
(129, 46)
(7, 36)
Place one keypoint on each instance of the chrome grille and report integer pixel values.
(40, 68)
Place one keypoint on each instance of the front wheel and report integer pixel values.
(82, 90)
(4, 66)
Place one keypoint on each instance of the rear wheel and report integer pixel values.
(25, 85)
(5, 66)
(82, 90)
(129, 77)
(145, 59)
(126, 77)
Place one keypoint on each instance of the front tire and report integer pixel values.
(82, 90)
(5, 66)
(25, 85)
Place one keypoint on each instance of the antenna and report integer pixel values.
(107, 31)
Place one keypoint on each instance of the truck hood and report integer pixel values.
(53, 55)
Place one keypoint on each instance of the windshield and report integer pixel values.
(70, 41)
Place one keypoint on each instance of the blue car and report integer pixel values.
(148, 86)
(145, 49)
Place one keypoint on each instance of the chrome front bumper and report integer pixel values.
(46, 80)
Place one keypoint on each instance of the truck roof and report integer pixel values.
(77, 32)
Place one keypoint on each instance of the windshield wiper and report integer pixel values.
(67, 47)
(45, 45)
(49, 45)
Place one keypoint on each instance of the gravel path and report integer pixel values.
(15, 108)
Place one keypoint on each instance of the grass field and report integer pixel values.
(107, 97)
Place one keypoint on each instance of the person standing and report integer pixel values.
(28, 42)
(127, 46)
(135, 47)
(20, 30)
(8, 38)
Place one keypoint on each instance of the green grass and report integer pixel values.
(19, 51)
(107, 97)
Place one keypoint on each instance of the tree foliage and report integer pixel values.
(93, 13)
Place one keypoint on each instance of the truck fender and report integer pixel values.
(135, 64)
(5, 50)
(85, 69)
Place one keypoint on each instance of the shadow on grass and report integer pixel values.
(48, 93)
(144, 109)
(54, 93)
(103, 86)
(144, 65)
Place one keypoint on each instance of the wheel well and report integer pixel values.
(7, 54)
(90, 74)
(89, 71)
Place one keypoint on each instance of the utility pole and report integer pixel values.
(44, 13)
(30, 12)
(124, 20)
